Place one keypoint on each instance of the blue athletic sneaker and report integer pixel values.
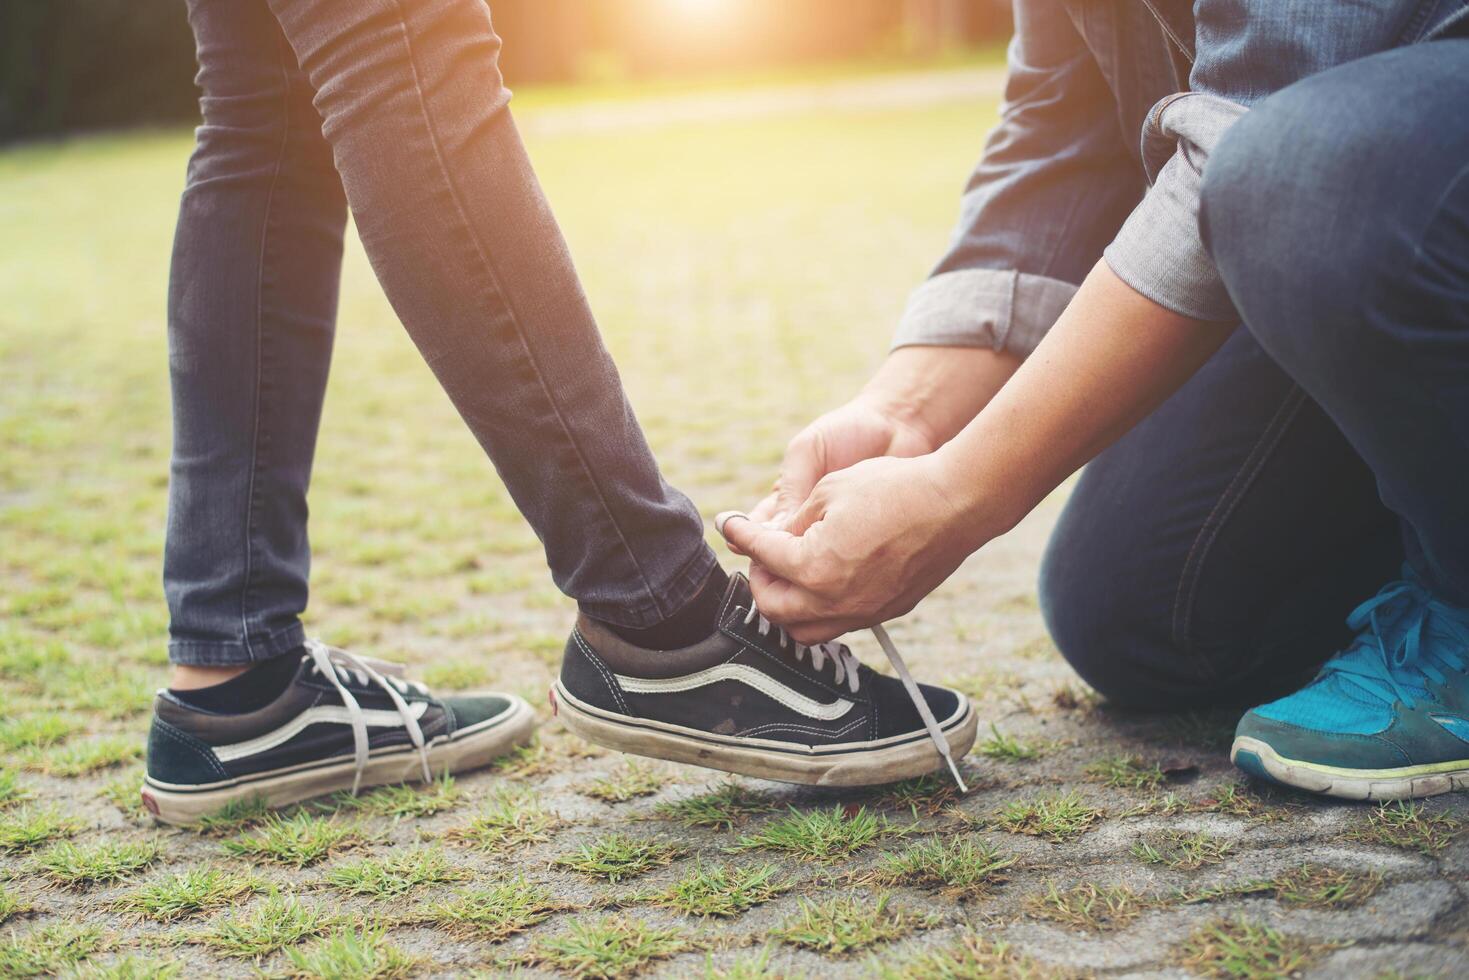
(1387, 718)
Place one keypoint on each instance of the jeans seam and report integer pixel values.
(1189, 576)
(489, 267)
(251, 497)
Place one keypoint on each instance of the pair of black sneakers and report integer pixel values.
(747, 700)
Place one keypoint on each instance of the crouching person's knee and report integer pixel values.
(1114, 628)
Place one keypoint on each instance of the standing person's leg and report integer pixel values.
(252, 311)
(1209, 557)
(466, 248)
(1338, 214)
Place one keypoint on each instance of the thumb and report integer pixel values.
(777, 550)
(802, 468)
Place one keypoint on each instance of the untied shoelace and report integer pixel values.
(338, 666)
(845, 666)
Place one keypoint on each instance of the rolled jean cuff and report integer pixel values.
(236, 653)
(664, 598)
(996, 308)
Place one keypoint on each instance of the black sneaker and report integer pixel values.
(342, 722)
(751, 700)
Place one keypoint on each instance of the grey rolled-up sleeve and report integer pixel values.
(1158, 250)
(997, 308)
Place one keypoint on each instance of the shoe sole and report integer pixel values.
(469, 748)
(847, 764)
(1410, 782)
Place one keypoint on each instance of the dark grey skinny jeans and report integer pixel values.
(396, 109)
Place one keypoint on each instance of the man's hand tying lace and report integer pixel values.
(867, 544)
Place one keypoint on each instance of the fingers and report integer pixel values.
(797, 610)
(804, 465)
(777, 550)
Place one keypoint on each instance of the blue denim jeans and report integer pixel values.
(397, 111)
(1211, 556)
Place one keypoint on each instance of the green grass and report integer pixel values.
(971, 957)
(398, 872)
(405, 800)
(1312, 886)
(35, 732)
(1182, 851)
(1006, 747)
(1410, 826)
(494, 912)
(722, 892)
(1058, 817)
(723, 808)
(821, 835)
(275, 923)
(48, 950)
(1089, 906)
(85, 758)
(236, 815)
(131, 966)
(298, 841)
(12, 791)
(632, 780)
(928, 795)
(607, 949)
(189, 893)
(1244, 950)
(1126, 772)
(360, 953)
(82, 865)
(616, 857)
(506, 821)
(965, 867)
(11, 905)
(28, 827)
(840, 926)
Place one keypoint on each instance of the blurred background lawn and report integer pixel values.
(747, 237)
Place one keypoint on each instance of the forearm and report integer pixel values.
(939, 390)
(1112, 357)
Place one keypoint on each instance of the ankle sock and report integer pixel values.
(253, 689)
(694, 622)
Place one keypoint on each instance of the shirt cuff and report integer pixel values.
(995, 308)
(1158, 250)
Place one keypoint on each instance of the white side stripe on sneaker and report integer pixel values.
(321, 714)
(762, 682)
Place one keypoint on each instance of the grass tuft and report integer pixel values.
(27, 828)
(507, 820)
(1126, 772)
(1182, 851)
(350, 954)
(722, 892)
(1243, 950)
(130, 967)
(49, 950)
(1089, 906)
(298, 841)
(235, 816)
(11, 791)
(1059, 817)
(495, 912)
(400, 872)
(11, 905)
(188, 893)
(722, 808)
(619, 856)
(83, 758)
(277, 922)
(403, 801)
(82, 865)
(607, 949)
(964, 867)
(1006, 747)
(35, 732)
(1313, 886)
(844, 925)
(821, 835)
(971, 958)
(1410, 826)
(634, 779)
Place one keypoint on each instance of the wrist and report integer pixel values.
(984, 507)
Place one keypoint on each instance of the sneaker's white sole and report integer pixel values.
(846, 764)
(469, 748)
(1408, 782)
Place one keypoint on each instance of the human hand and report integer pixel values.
(868, 543)
(863, 428)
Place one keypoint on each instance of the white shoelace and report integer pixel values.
(339, 666)
(846, 664)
